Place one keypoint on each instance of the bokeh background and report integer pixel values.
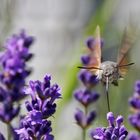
(60, 28)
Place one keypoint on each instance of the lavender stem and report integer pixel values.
(9, 131)
(84, 128)
(83, 133)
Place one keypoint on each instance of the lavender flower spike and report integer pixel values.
(13, 74)
(134, 101)
(86, 97)
(134, 118)
(84, 117)
(36, 125)
(133, 136)
(115, 130)
(84, 120)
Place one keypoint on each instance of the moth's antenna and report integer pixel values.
(125, 65)
(81, 67)
(107, 93)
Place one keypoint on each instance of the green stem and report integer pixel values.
(84, 128)
(83, 133)
(9, 131)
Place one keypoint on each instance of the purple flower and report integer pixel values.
(8, 111)
(88, 79)
(91, 42)
(115, 130)
(134, 101)
(42, 105)
(110, 118)
(98, 134)
(86, 97)
(43, 95)
(85, 59)
(84, 120)
(134, 119)
(34, 126)
(133, 136)
(137, 87)
(14, 58)
(14, 72)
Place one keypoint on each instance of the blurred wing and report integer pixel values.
(95, 51)
(126, 44)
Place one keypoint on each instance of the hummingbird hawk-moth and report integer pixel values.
(108, 72)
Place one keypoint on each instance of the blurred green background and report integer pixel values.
(61, 28)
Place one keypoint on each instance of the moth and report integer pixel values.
(108, 72)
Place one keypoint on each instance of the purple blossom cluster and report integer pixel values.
(134, 118)
(85, 98)
(86, 77)
(90, 43)
(115, 130)
(13, 74)
(36, 124)
(84, 117)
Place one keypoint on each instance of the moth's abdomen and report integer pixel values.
(110, 70)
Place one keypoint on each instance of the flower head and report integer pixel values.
(90, 42)
(88, 79)
(14, 58)
(43, 96)
(134, 101)
(133, 136)
(14, 72)
(42, 105)
(34, 126)
(84, 117)
(115, 130)
(84, 120)
(86, 97)
(134, 118)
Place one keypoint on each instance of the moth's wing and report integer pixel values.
(95, 51)
(126, 43)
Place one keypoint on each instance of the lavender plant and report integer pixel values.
(115, 130)
(87, 96)
(13, 74)
(36, 124)
(134, 118)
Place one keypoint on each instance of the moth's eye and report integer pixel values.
(106, 73)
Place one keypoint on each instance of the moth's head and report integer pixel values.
(109, 68)
(110, 71)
